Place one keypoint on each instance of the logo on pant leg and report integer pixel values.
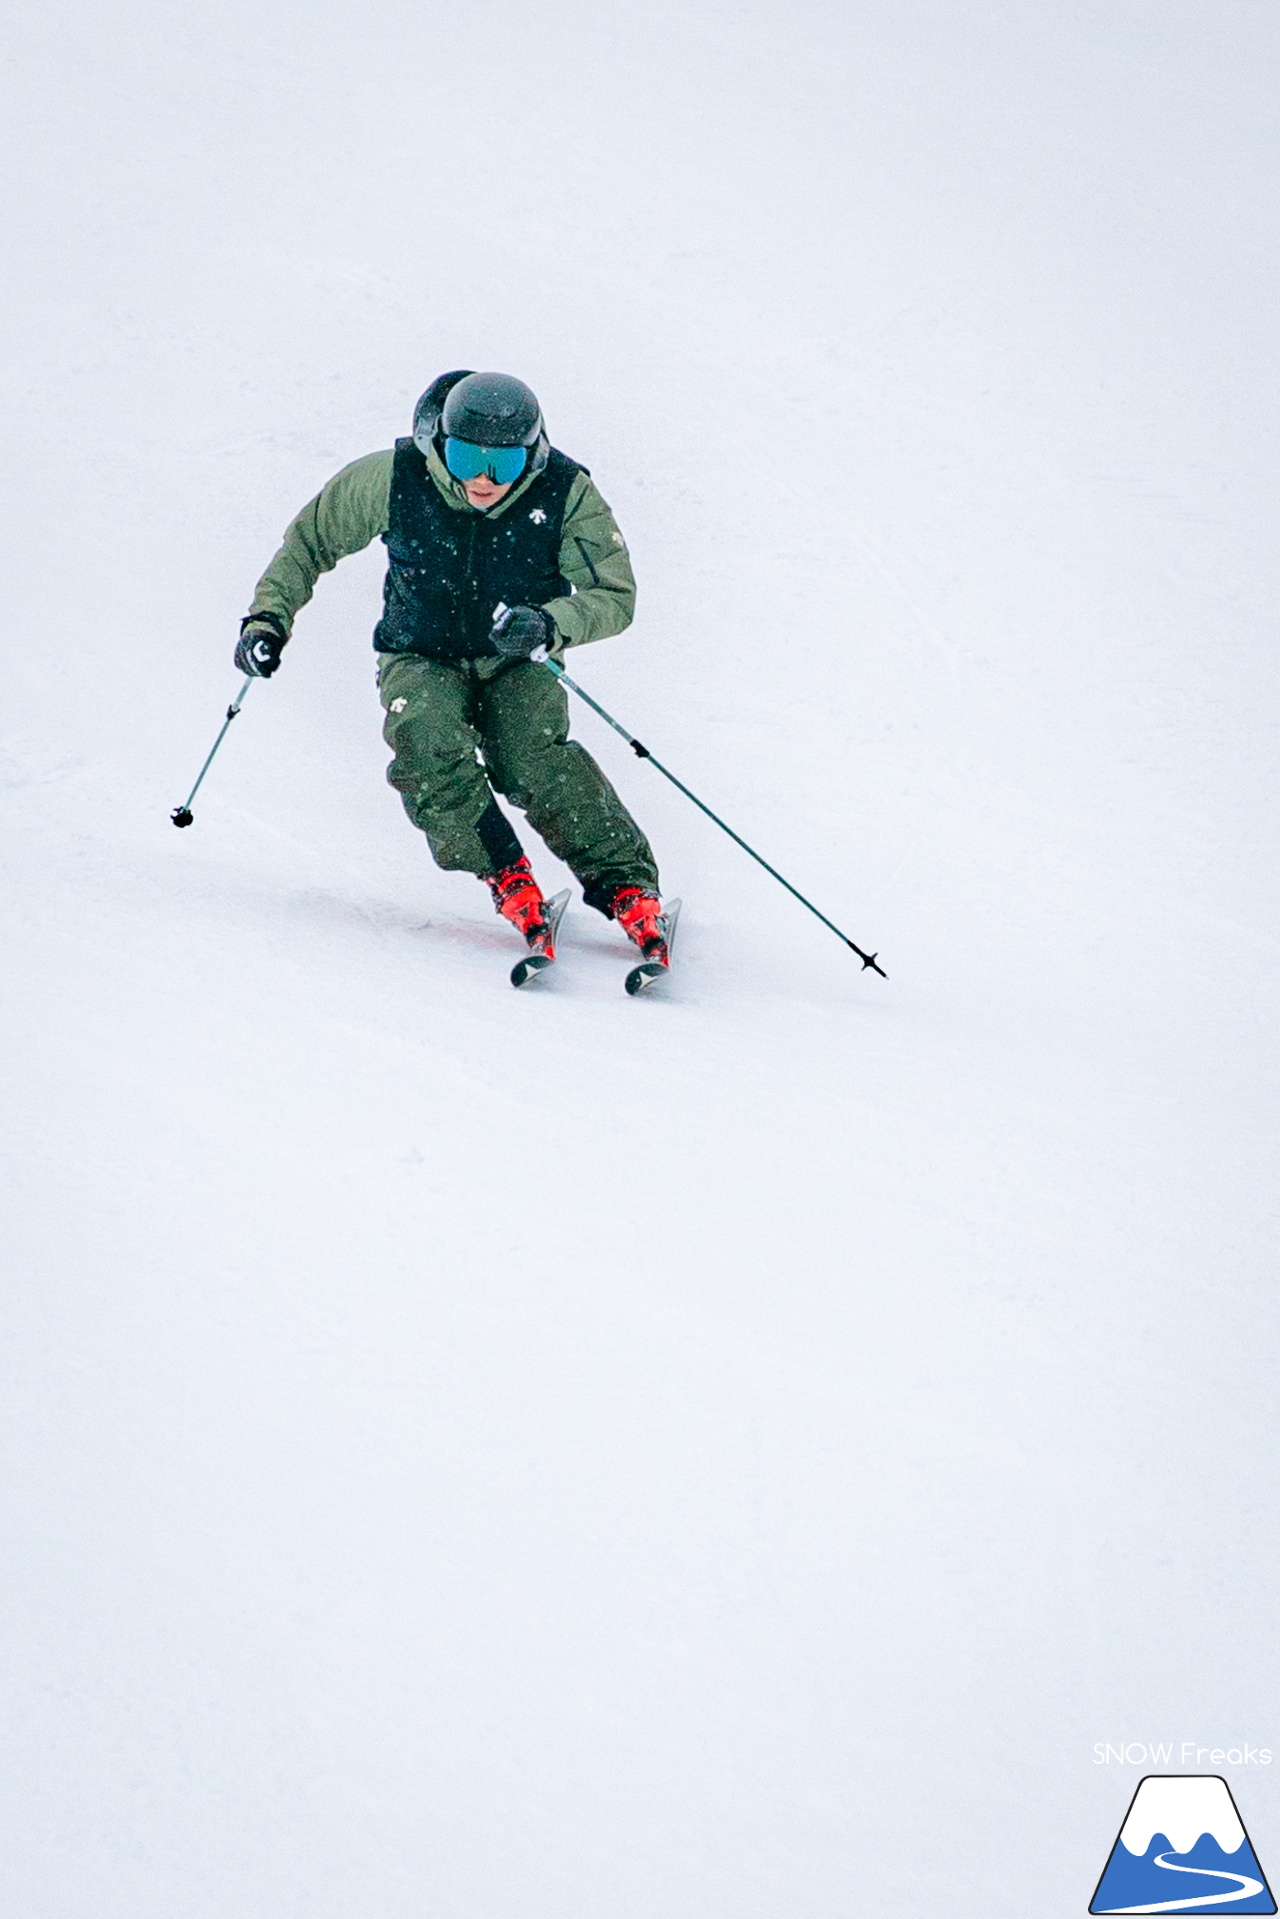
(398, 706)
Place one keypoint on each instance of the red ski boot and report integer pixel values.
(641, 918)
(518, 898)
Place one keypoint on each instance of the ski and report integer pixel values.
(543, 953)
(641, 977)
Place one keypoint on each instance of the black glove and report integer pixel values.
(519, 631)
(262, 641)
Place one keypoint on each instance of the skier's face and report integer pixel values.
(484, 492)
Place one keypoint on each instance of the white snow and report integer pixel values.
(544, 1456)
(1183, 1809)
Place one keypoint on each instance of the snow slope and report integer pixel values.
(731, 1456)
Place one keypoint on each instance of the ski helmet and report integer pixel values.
(491, 409)
(485, 409)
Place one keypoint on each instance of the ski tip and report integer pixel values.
(182, 816)
(643, 976)
(529, 968)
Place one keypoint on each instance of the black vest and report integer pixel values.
(449, 570)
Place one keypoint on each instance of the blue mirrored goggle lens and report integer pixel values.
(466, 461)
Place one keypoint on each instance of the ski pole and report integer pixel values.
(182, 815)
(643, 753)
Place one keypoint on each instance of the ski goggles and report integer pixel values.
(466, 461)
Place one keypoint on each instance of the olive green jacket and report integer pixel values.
(352, 510)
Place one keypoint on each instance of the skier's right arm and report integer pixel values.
(346, 515)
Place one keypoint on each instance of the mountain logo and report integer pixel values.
(1182, 1848)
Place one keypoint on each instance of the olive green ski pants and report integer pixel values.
(462, 730)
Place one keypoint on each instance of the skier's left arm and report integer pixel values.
(594, 559)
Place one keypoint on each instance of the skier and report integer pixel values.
(501, 554)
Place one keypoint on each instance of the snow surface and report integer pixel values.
(728, 1455)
